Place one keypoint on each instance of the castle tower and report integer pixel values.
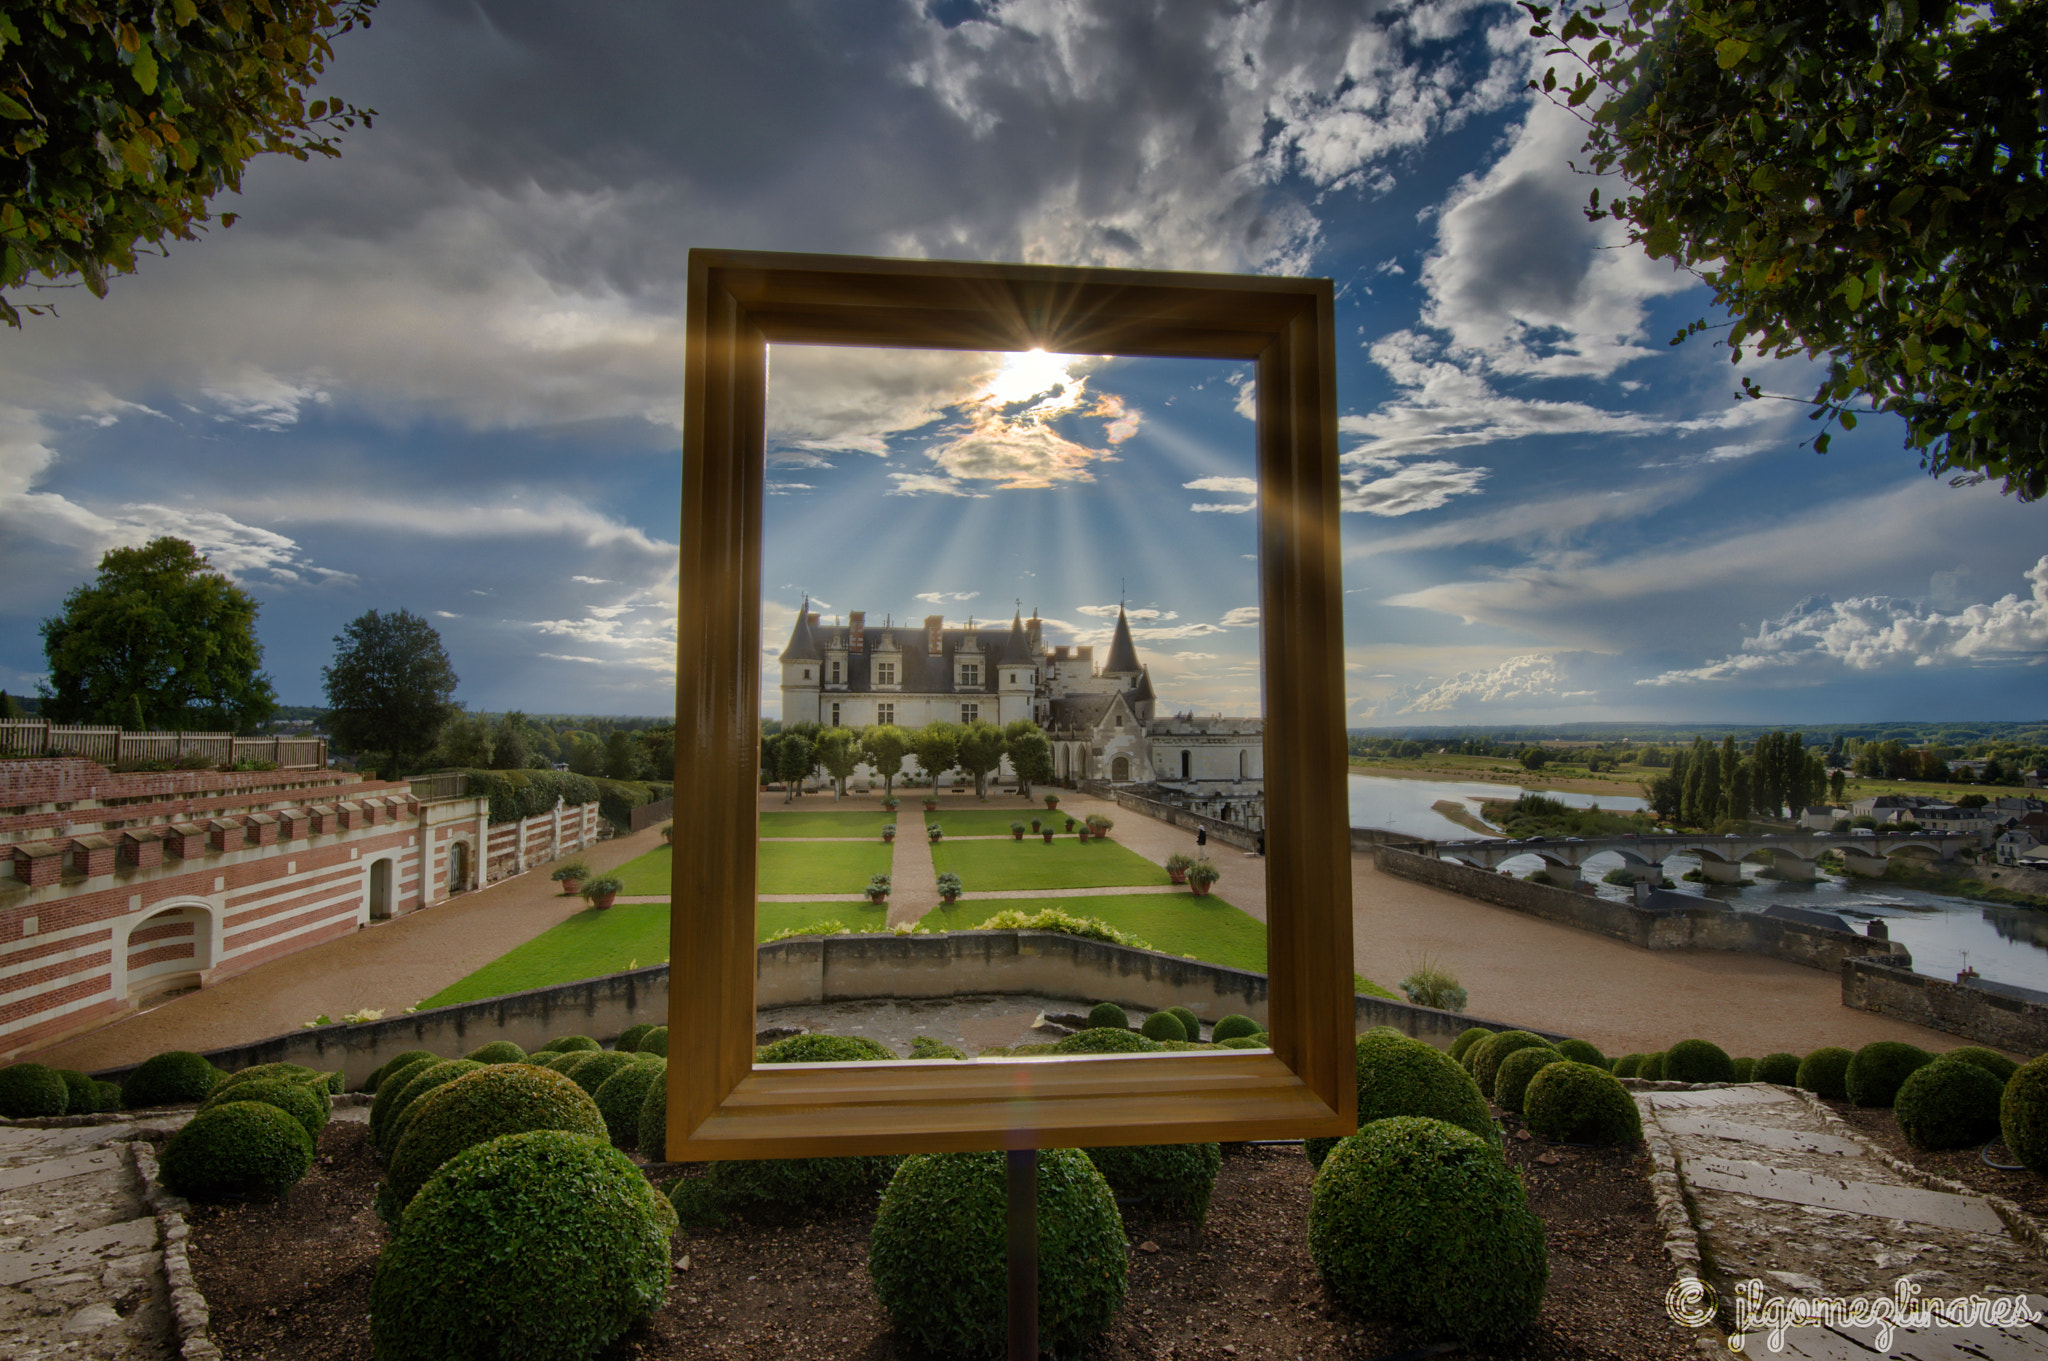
(802, 666)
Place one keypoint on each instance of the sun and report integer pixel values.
(1034, 373)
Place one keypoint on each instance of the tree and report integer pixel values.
(838, 750)
(1860, 181)
(658, 748)
(10, 707)
(1533, 758)
(980, 751)
(125, 117)
(937, 745)
(884, 746)
(390, 687)
(1030, 754)
(161, 636)
(466, 742)
(511, 742)
(795, 754)
(622, 756)
(1836, 783)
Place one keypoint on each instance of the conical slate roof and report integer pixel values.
(1016, 648)
(803, 645)
(1123, 653)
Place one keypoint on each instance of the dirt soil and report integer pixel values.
(290, 1280)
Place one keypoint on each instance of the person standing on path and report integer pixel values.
(1201, 836)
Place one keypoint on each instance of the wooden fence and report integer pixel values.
(452, 785)
(647, 814)
(114, 747)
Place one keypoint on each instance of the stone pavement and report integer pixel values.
(1783, 1206)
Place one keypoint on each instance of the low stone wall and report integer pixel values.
(1229, 833)
(1707, 926)
(817, 969)
(2008, 1023)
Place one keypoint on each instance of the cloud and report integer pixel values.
(1242, 486)
(443, 614)
(591, 581)
(941, 597)
(1383, 487)
(1223, 507)
(1552, 520)
(1530, 676)
(930, 484)
(1110, 612)
(1875, 633)
(1244, 616)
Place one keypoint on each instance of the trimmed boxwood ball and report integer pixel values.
(1163, 1025)
(169, 1079)
(620, 1096)
(106, 1096)
(77, 1091)
(772, 1190)
(569, 1044)
(1103, 1041)
(1400, 1076)
(1235, 1027)
(1698, 1061)
(272, 1072)
(1108, 1016)
(562, 1061)
(1821, 1072)
(303, 1103)
(477, 1107)
(938, 1248)
(654, 1041)
(1488, 1053)
(1258, 1041)
(1781, 1068)
(389, 1086)
(1582, 1051)
(235, 1149)
(1745, 1070)
(497, 1051)
(1577, 1103)
(591, 1073)
(1423, 1224)
(1880, 1068)
(537, 1244)
(651, 1134)
(1188, 1022)
(1990, 1060)
(1463, 1044)
(1175, 1179)
(424, 1079)
(1628, 1065)
(824, 1049)
(1516, 1070)
(629, 1038)
(1651, 1069)
(925, 1047)
(1949, 1103)
(28, 1090)
(2023, 1115)
(405, 1060)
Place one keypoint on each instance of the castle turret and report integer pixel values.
(1123, 653)
(802, 665)
(1016, 670)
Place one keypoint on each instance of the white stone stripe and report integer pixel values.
(348, 917)
(36, 1018)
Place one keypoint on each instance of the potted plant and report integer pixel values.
(934, 831)
(1052, 801)
(949, 887)
(571, 876)
(891, 804)
(1034, 824)
(1070, 824)
(888, 831)
(1099, 825)
(1016, 831)
(602, 892)
(1177, 866)
(878, 888)
(1202, 876)
(1084, 831)
(931, 799)
(1047, 833)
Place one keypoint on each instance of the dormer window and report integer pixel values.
(835, 673)
(970, 674)
(885, 673)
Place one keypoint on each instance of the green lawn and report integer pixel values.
(1178, 923)
(866, 823)
(974, 820)
(786, 867)
(1020, 866)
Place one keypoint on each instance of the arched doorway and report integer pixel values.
(458, 867)
(380, 890)
(167, 951)
(1120, 770)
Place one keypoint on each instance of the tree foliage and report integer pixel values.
(883, 746)
(1860, 181)
(390, 688)
(980, 751)
(121, 119)
(161, 639)
(937, 747)
(1030, 754)
(839, 752)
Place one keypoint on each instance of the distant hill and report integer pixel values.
(2034, 733)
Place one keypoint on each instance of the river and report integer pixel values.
(2005, 944)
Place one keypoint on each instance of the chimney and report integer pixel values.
(935, 633)
(857, 626)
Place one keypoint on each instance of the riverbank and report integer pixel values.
(1483, 770)
(1972, 885)
(1463, 816)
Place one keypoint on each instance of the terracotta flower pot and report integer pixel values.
(1083, 833)
(1199, 890)
(878, 897)
(949, 897)
(1016, 836)
(572, 887)
(1047, 834)
(604, 900)
(888, 836)
(1179, 876)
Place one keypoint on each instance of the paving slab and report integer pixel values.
(1911, 1203)
(1768, 1136)
(58, 1169)
(85, 1251)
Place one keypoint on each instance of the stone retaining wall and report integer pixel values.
(2007, 1023)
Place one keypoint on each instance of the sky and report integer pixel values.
(443, 373)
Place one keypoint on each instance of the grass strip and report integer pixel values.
(1020, 866)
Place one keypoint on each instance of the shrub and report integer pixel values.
(566, 1062)
(1879, 1069)
(424, 1079)
(537, 1244)
(477, 1107)
(1175, 1179)
(1488, 1053)
(1431, 985)
(767, 1190)
(1188, 1022)
(925, 1047)
(1258, 1041)
(238, 1148)
(497, 1051)
(31, 1089)
(270, 1072)
(169, 1079)
(1990, 1060)
(77, 1091)
(106, 1096)
(1104, 1041)
(1422, 1224)
(569, 1044)
(651, 1134)
(1582, 1051)
(1652, 1068)
(1745, 1070)
(1066, 923)
(1234, 1027)
(619, 1098)
(1463, 1044)
(654, 1042)
(1821, 1072)
(1781, 1068)
(2023, 1114)
(938, 1248)
(1698, 1061)
(409, 1057)
(1108, 1016)
(823, 1049)
(303, 1102)
(1516, 1071)
(629, 1039)
(1576, 1103)
(1949, 1103)
(591, 1073)
(1628, 1065)
(1163, 1025)
(1400, 1076)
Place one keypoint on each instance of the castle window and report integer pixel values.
(835, 673)
(969, 712)
(885, 713)
(807, 673)
(835, 715)
(970, 674)
(1119, 720)
(885, 673)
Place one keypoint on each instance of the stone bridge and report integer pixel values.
(1721, 857)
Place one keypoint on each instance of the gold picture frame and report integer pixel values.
(720, 1104)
